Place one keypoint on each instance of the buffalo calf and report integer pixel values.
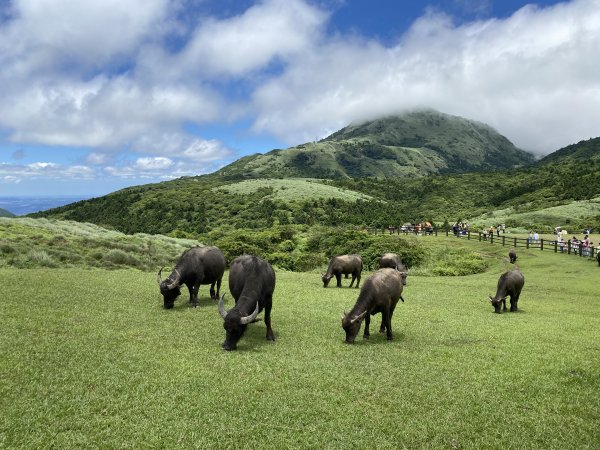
(342, 265)
(509, 284)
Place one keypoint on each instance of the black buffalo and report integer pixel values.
(393, 261)
(512, 256)
(251, 282)
(344, 264)
(198, 265)
(509, 284)
(380, 294)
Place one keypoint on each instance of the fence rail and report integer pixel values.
(541, 244)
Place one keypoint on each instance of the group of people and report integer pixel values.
(460, 228)
(491, 230)
(584, 246)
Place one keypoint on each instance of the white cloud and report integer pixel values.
(156, 163)
(268, 30)
(533, 76)
(104, 75)
(45, 170)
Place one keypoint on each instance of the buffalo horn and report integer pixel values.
(221, 308)
(359, 317)
(158, 276)
(175, 282)
(248, 319)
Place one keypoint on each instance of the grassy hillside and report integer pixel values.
(408, 145)
(5, 213)
(26, 243)
(106, 364)
(292, 190)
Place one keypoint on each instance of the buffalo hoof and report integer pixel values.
(366, 337)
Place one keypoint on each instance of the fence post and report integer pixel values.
(556, 246)
(515, 246)
(503, 240)
(527, 245)
(479, 234)
(569, 247)
(542, 244)
(469, 235)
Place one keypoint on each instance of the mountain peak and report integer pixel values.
(415, 143)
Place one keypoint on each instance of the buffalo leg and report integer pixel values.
(338, 277)
(270, 334)
(387, 319)
(218, 288)
(367, 333)
(194, 293)
(212, 290)
(357, 280)
(353, 279)
(513, 303)
(503, 304)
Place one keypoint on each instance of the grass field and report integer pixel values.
(90, 359)
(294, 189)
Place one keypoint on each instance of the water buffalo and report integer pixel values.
(394, 261)
(251, 282)
(512, 256)
(198, 265)
(380, 294)
(509, 284)
(343, 264)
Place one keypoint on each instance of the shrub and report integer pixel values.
(7, 249)
(119, 257)
(40, 258)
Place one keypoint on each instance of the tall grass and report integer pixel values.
(88, 358)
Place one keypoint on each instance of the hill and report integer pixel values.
(413, 144)
(5, 213)
(198, 206)
(582, 152)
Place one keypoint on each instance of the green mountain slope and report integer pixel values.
(582, 152)
(408, 145)
(5, 213)
(199, 206)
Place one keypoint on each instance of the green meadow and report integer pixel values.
(90, 359)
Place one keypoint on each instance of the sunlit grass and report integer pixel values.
(88, 358)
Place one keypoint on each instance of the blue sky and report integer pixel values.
(104, 94)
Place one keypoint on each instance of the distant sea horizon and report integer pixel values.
(26, 204)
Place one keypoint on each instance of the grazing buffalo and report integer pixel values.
(512, 255)
(343, 264)
(198, 265)
(380, 294)
(509, 284)
(393, 261)
(251, 282)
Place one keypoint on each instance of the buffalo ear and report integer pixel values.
(491, 298)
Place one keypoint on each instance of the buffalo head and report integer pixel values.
(497, 303)
(235, 324)
(326, 278)
(351, 325)
(169, 288)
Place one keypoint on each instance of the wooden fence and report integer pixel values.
(542, 244)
